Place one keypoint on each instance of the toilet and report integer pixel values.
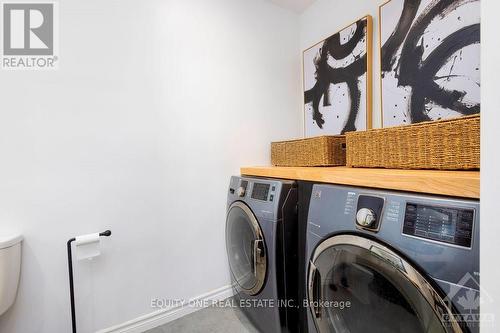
(10, 269)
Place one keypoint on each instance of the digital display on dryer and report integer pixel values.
(260, 191)
(444, 224)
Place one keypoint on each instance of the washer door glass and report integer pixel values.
(245, 249)
(358, 285)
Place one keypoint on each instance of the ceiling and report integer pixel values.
(297, 6)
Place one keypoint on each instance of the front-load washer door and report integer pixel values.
(246, 249)
(359, 285)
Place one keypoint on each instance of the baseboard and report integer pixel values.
(161, 317)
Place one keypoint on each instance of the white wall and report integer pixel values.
(154, 106)
(490, 160)
(325, 17)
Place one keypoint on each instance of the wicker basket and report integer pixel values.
(317, 151)
(451, 144)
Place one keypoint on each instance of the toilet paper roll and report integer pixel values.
(87, 246)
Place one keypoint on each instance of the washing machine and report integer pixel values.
(261, 243)
(384, 261)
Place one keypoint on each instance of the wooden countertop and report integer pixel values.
(452, 183)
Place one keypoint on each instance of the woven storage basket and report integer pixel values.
(317, 151)
(451, 144)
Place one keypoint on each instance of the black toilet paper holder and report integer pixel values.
(106, 233)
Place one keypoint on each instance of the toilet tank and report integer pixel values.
(10, 269)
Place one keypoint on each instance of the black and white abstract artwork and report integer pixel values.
(336, 81)
(429, 60)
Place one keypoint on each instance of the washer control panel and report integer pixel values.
(441, 234)
(439, 223)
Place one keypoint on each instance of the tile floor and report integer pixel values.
(209, 320)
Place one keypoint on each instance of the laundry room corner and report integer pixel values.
(249, 166)
(153, 104)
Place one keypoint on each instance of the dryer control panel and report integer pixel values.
(260, 191)
(265, 197)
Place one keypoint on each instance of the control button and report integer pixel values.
(271, 197)
(241, 191)
(273, 188)
(365, 217)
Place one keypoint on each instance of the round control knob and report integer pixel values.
(365, 217)
(240, 191)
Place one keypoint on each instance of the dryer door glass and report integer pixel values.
(357, 285)
(245, 249)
